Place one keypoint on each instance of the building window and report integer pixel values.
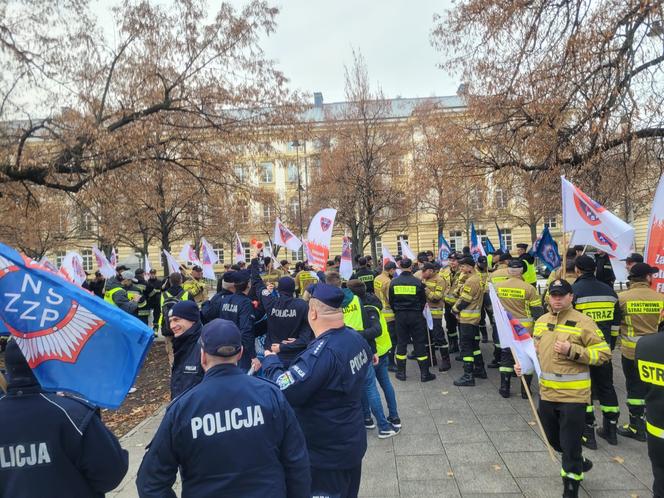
(456, 240)
(475, 200)
(291, 173)
(244, 215)
(220, 254)
(267, 213)
(240, 173)
(86, 223)
(399, 248)
(551, 222)
(59, 258)
(247, 251)
(88, 259)
(506, 234)
(501, 199)
(267, 173)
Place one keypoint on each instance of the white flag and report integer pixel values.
(346, 265)
(72, 268)
(406, 250)
(239, 250)
(173, 265)
(188, 254)
(514, 335)
(147, 267)
(387, 257)
(285, 238)
(104, 265)
(593, 224)
(208, 259)
(428, 316)
(114, 258)
(319, 236)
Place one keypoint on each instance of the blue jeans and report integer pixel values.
(383, 378)
(371, 401)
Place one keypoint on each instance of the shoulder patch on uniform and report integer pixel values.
(299, 371)
(285, 380)
(265, 292)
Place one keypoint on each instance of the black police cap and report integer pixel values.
(560, 287)
(517, 264)
(585, 263)
(640, 270)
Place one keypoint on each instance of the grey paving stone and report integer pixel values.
(483, 478)
(496, 422)
(462, 433)
(630, 493)
(609, 476)
(457, 413)
(525, 440)
(435, 488)
(417, 424)
(378, 484)
(421, 467)
(488, 405)
(472, 453)
(421, 444)
(530, 464)
(544, 487)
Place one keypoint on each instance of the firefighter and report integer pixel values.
(195, 285)
(523, 302)
(145, 290)
(567, 342)
(271, 274)
(632, 259)
(598, 301)
(382, 290)
(641, 309)
(501, 273)
(407, 298)
(530, 276)
(468, 308)
(450, 275)
(364, 274)
(435, 290)
(487, 312)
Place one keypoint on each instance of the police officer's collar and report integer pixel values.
(18, 389)
(224, 369)
(331, 331)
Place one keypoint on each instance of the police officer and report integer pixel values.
(185, 322)
(523, 302)
(382, 290)
(144, 290)
(211, 308)
(450, 274)
(435, 288)
(649, 357)
(50, 445)
(155, 298)
(239, 309)
(364, 274)
(288, 331)
(169, 297)
(566, 341)
(407, 299)
(641, 309)
(530, 275)
(324, 384)
(117, 293)
(231, 435)
(599, 301)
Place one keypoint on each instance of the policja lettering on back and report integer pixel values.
(211, 423)
(20, 456)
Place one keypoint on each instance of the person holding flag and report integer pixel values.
(195, 285)
(451, 274)
(117, 293)
(435, 288)
(523, 302)
(567, 342)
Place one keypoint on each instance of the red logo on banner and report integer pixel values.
(285, 234)
(586, 207)
(325, 223)
(604, 240)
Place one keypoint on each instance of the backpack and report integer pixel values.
(169, 302)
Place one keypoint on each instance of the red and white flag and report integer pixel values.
(654, 254)
(188, 254)
(593, 224)
(406, 250)
(173, 265)
(387, 257)
(104, 265)
(147, 267)
(208, 259)
(285, 238)
(72, 268)
(239, 250)
(346, 265)
(114, 258)
(319, 236)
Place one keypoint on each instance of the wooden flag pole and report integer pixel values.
(535, 414)
(431, 351)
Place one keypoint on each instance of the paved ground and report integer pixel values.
(467, 442)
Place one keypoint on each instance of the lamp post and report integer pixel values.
(296, 144)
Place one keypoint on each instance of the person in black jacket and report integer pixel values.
(211, 308)
(600, 302)
(185, 321)
(365, 274)
(407, 299)
(53, 446)
(604, 271)
(288, 331)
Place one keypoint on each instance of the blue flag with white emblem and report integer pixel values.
(546, 249)
(72, 340)
(488, 246)
(444, 251)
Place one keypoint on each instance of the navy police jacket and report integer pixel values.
(231, 435)
(187, 370)
(324, 384)
(53, 446)
(211, 308)
(239, 309)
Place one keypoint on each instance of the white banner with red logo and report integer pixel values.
(188, 254)
(114, 258)
(654, 254)
(239, 250)
(593, 224)
(406, 250)
(346, 265)
(208, 259)
(285, 238)
(319, 236)
(72, 268)
(104, 265)
(173, 265)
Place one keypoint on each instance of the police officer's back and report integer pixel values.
(365, 274)
(324, 384)
(52, 446)
(231, 435)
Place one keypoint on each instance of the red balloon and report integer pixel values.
(259, 245)
(253, 242)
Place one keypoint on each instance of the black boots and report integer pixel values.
(636, 429)
(401, 369)
(570, 488)
(454, 344)
(529, 379)
(425, 375)
(609, 431)
(478, 370)
(467, 378)
(588, 438)
(505, 379)
(432, 354)
(444, 364)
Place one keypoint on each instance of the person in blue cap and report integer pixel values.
(211, 308)
(239, 309)
(288, 331)
(324, 384)
(185, 322)
(231, 435)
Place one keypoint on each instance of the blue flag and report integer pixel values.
(444, 251)
(72, 340)
(501, 241)
(488, 246)
(546, 249)
(476, 249)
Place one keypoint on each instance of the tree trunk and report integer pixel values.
(533, 232)
(372, 240)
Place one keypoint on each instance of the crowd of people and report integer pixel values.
(319, 349)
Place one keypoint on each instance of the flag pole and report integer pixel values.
(431, 351)
(535, 414)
